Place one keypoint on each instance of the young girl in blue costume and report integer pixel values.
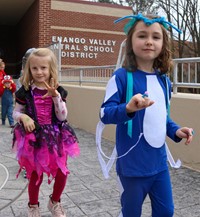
(42, 138)
(136, 100)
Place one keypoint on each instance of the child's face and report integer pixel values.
(147, 42)
(39, 67)
(7, 84)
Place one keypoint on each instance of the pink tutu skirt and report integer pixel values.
(45, 150)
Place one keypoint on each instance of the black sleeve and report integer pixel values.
(63, 93)
(20, 95)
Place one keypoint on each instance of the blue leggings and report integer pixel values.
(135, 190)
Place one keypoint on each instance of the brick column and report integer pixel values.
(44, 22)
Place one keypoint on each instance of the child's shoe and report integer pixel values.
(34, 210)
(56, 209)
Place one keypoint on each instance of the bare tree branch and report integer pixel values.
(185, 14)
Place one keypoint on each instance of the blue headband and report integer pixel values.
(147, 21)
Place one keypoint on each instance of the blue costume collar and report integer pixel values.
(147, 21)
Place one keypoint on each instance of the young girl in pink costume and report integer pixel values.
(42, 138)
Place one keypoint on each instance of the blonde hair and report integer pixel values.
(27, 78)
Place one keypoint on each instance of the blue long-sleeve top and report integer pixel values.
(148, 157)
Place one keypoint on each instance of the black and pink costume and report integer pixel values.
(45, 150)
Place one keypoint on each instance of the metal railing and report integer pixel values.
(186, 74)
(185, 77)
(88, 75)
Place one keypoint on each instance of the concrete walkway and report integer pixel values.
(87, 193)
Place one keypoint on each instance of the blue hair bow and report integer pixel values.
(146, 20)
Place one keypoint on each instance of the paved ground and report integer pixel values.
(87, 194)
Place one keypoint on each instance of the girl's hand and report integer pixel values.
(138, 102)
(28, 123)
(51, 89)
(185, 132)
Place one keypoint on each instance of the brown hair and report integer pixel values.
(27, 78)
(163, 62)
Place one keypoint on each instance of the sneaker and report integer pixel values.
(56, 209)
(33, 211)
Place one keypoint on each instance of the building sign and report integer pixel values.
(73, 47)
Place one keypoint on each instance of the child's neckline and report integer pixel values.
(148, 73)
(35, 86)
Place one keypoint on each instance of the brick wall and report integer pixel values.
(93, 24)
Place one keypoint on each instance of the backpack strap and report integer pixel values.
(165, 82)
(129, 94)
